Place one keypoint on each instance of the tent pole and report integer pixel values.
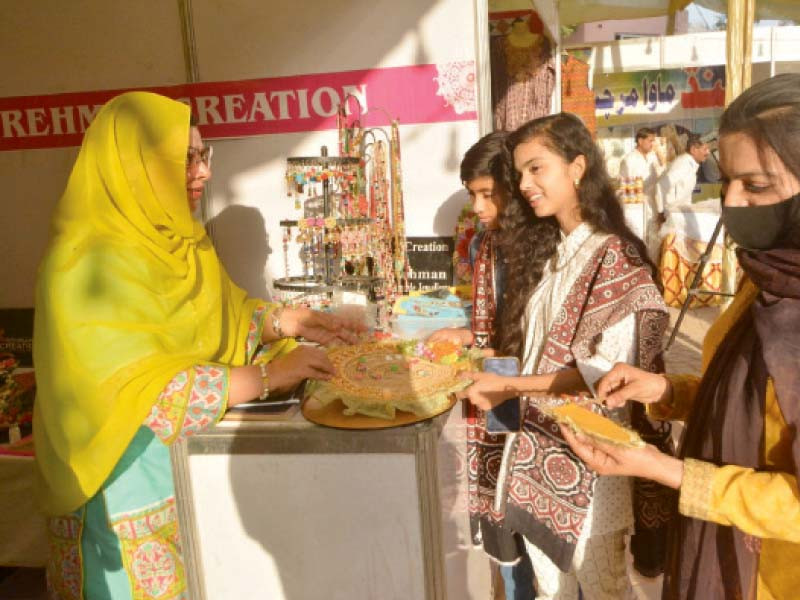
(738, 73)
(483, 67)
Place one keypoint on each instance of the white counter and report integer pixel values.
(289, 509)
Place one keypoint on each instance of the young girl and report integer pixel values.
(581, 298)
(488, 196)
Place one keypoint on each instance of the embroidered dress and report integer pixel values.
(595, 305)
(738, 535)
(576, 97)
(124, 543)
(488, 286)
(488, 283)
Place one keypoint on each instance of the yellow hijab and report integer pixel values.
(130, 292)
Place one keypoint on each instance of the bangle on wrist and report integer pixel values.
(276, 322)
(264, 381)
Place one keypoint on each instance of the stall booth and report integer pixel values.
(270, 504)
(276, 507)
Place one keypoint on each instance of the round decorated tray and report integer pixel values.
(380, 385)
(332, 415)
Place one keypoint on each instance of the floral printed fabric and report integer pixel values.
(197, 397)
(64, 574)
(151, 551)
(192, 401)
(257, 327)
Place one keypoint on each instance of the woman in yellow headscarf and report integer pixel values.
(141, 338)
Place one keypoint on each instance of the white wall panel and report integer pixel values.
(49, 47)
(248, 40)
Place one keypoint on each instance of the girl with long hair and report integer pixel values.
(487, 196)
(581, 297)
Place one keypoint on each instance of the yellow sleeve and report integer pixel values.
(677, 408)
(762, 504)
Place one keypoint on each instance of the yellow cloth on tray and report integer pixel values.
(130, 292)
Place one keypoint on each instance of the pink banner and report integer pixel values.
(413, 94)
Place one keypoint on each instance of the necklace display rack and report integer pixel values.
(382, 197)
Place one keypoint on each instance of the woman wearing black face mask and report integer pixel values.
(738, 532)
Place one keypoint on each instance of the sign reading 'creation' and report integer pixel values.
(230, 109)
(431, 261)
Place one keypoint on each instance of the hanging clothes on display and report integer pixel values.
(523, 75)
(576, 97)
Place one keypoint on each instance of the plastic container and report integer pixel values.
(408, 327)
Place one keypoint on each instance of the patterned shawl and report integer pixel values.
(549, 489)
(484, 300)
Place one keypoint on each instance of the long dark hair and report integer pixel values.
(769, 113)
(529, 242)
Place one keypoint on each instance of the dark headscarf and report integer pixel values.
(727, 423)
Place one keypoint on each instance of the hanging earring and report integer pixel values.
(577, 183)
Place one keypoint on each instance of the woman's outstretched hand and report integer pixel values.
(487, 389)
(455, 335)
(322, 328)
(625, 382)
(608, 459)
(284, 374)
(304, 362)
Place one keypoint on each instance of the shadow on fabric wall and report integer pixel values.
(247, 248)
(446, 218)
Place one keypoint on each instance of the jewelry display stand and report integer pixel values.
(349, 234)
(321, 187)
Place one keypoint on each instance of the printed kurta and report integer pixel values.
(137, 326)
(124, 543)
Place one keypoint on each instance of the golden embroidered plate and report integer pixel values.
(376, 381)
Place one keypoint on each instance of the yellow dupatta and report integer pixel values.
(130, 293)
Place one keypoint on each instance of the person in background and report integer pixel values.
(675, 186)
(738, 532)
(583, 299)
(488, 197)
(141, 339)
(644, 163)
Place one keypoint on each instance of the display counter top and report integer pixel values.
(295, 434)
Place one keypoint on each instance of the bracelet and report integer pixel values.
(276, 322)
(264, 381)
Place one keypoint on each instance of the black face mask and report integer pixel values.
(764, 227)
